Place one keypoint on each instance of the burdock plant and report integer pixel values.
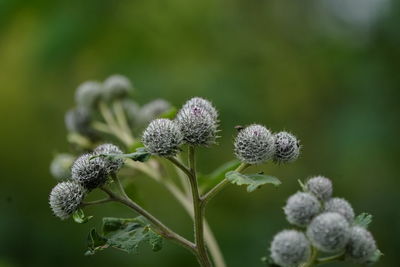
(114, 138)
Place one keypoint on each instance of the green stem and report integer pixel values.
(96, 202)
(312, 259)
(216, 189)
(324, 260)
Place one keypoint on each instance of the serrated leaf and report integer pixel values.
(126, 235)
(79, 216)
(363, 220)
(95, 242)
(253, 181)
(169, 114)
(375, 257)
(210, 180)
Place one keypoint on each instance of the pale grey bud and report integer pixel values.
(287, 148)
(329, 232)
(60, 167)
(153, 110)
(290, 248)
(162, 137)
(116, 87)
(197, 126)
(203, 104)
(90, 172)
(301, 208)
(254, 144)
(340, 206)
(320, 187)
(78, 120)
(88, 94)
(361, 245)
(132, 111)
(113, 165)
(65, 198)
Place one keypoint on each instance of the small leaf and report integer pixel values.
(170, 113)
(375, 257)
(155, 240)
(363, 220)
(79, 216)
(253, 181)
(95, 243)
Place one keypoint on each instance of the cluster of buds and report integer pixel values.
(329, 226)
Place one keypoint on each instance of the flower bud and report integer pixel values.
(65, 198)
(329, 232)
(78, 120)
(287, 148)
(197, 126)
(116, 87)
(113, 165)
(361, 245)
(90, 172)
(88, 94)
(301, 208)
(254, 144)
(60, 167)
(320, 187)
(290, 248)
(132, 111)
(162, 137)
(203, 104)
(153, 110)
(340, 206)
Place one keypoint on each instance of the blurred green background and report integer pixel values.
(327, 70)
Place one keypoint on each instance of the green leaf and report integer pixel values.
(210, 180)
(268, 261)
(95, 242)
(170, 113)
(302, 185)
(126, 235)
(363, 220)
(375, 257)
(79, 216)
(253, 181)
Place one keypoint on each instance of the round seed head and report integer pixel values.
(162, 137)
(88, 94)
(197, 126)
(340, 206)
(116, 86)
(290, 248)
(60, 167)
(113, 165)
(203, 104)
(90, 172)
(132, 111)
(361, 245)
(320, 187)
(78, 120)
(301, 208)
(254, 144)
(287, 148)
(329, 232)
(152, 110)
(65, 198)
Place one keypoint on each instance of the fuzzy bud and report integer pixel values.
(320, 187)
(65, 198)
(340, 206)
(152, 110)
(197, 126)
(116, 87)
(78, 120)
(132, 111)
(88, 94)
(162, 137)
(60, 167)
(90, 172)
(329, 232)
(301, 208)
(254, 144)
(287, 148)
(361, 245)
(290, 248)
(113, 165)
(203, 104)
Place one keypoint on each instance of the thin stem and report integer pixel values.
(182, 179)
(221, 185)
(324, 260)
(122, 121)
(312, 259)
(182, 167)
(96, 202)
(162, 229)
(198, 210)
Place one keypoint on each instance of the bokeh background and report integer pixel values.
(327, 70)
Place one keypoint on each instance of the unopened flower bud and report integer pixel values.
(340, 206)
(320, 187)
(361, 245)
(116, 87)
(287, 148)
(90, 172)
(153, 110)
(78, 120)
(203, 104)
(60, 167)
(113, 165)
(88, 94)
(301, 208)
(65, 198)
